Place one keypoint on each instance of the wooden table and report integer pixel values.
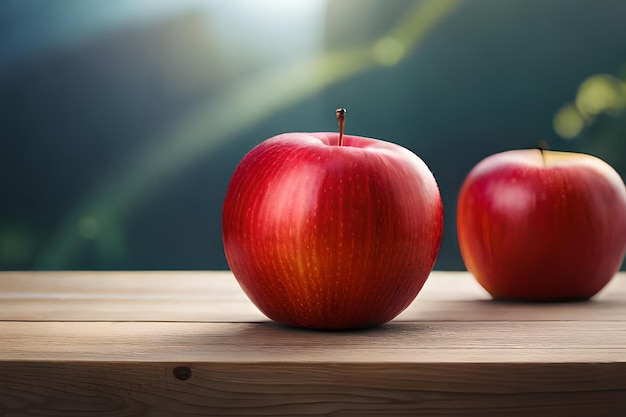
(191, 344)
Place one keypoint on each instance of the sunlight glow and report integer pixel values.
(600, 93)
(268, 30)
(568, 122)
(388, 51)
(279, 9)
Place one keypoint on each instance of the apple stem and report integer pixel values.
(341, 116)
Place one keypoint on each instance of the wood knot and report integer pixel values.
(182, 372)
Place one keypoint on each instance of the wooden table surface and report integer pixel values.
(191, 344)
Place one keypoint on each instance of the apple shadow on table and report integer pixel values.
(557, 300)
(270, 327)
(270, 338)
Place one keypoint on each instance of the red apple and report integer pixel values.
(542, 226)
(329, 231)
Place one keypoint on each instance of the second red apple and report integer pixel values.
(541, 225)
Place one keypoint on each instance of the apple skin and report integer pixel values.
(331, 237)
(542, 226)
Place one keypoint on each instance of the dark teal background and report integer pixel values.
(122, 121)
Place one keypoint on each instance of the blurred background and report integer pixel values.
(121, 121)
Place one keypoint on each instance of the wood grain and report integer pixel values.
(133, 389)
(398, 342)
(202, 296)
(191, 344)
